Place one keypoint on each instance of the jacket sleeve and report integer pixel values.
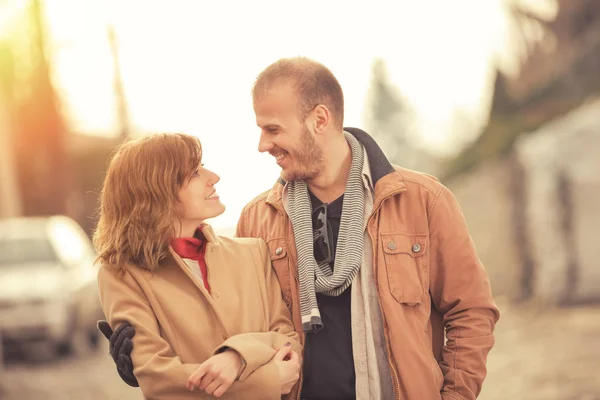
(257, 348)
(460, 290)
(159, 371)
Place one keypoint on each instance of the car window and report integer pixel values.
(25, 251)
(70, 242)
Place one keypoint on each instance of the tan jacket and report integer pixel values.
(179, 324)
(427, 272)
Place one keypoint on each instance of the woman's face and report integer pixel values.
(199, 197)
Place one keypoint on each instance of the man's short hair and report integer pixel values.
(315, 84)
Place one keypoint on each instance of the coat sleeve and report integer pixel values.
(460, 290)
(159, 371)
(257, 348)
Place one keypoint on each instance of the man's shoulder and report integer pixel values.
(421, 180)
(259, 217)
(257, 202)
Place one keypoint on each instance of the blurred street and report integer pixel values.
(89, 375)
(545, 356)
(538, 356)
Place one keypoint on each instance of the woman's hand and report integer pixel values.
(217, 374)
(288, 364)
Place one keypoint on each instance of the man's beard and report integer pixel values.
(307, 161)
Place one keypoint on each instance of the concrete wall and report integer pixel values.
(485, 197)
(535, 214)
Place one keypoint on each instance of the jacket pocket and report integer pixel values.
(280, 263)
(405, 262)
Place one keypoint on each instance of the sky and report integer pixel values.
(188, 66)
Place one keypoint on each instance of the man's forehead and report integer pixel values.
(274, 105)
(277, 92)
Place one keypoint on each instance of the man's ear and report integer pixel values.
(322, 118)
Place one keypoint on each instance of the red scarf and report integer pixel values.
(193, 248)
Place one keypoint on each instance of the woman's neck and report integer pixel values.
(187, 228)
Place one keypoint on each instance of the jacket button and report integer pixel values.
(416, 247)
(391, 246)
(279, 251)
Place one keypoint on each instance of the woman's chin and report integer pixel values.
(209, 211)
(216, 210)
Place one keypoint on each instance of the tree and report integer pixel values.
(389, 117)
(39, 130)
(551, 80)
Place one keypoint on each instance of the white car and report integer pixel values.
(48, 289)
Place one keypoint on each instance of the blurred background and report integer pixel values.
(500, 99)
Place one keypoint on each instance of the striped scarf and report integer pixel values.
(320, 278)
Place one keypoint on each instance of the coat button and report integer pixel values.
(391, 246)
(279, 251)
(416, 247)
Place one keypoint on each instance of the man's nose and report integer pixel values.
(264, 143)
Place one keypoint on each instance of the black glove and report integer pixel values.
(119, 347)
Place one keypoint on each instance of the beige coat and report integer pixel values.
(179, 324)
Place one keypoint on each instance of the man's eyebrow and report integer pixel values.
(269, 126)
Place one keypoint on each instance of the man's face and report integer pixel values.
(285, 136)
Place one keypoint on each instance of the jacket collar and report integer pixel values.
(209, 234)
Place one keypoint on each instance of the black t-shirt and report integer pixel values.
(328, 359)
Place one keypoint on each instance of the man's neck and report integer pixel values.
(331, 182)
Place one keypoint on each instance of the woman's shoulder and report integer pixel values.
(242, 242)
(227, 240)
(123, 272)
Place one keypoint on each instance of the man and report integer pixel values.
(375, 261)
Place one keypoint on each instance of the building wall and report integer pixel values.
(535, 214)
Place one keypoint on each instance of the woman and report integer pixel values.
(207, 310)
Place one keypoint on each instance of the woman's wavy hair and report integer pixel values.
(139, 203)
